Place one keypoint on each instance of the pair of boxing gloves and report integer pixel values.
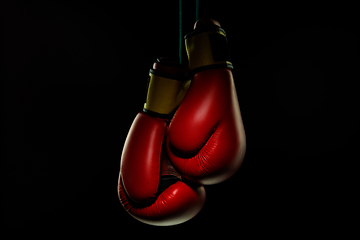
(189, 134)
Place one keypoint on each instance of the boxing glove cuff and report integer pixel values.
(165, 92)
(207, 48)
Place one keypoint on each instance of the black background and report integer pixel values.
(75, 77)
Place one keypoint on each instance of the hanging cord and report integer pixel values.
(197, 11)
(180, 32)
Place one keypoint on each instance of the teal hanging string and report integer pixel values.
(197, 10)
(197, 6)
(180, 32)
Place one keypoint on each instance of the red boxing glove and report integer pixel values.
(206, 138)
(149, 188)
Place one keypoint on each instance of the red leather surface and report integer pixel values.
(140, 160)
(206, 138)
(177, 204)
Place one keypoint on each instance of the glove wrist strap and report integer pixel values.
(207, 48)
(165, 92)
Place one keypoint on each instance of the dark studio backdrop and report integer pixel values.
(75, 77)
